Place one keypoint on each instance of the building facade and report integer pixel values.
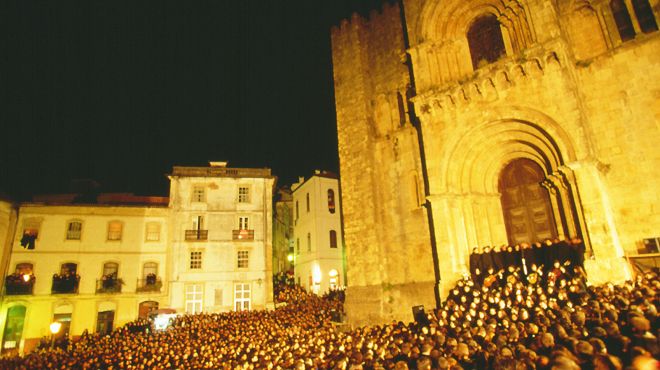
(464, 124)
(318, 245)
(221, 238)
(98, 265)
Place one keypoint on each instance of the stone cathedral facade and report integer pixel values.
(490, 122)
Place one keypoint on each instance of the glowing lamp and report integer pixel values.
(26, 278)
(290, 258)
(55, 327)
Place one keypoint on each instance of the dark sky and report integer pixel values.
(120, 92)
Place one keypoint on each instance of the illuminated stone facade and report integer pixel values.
(430, 113)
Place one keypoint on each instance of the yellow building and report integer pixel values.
(464, 124)
(99, 264)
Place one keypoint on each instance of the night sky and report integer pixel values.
(120, 92)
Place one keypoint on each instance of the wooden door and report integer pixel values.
(525, 203)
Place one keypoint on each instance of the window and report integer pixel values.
(307, 199)
(31, 227)
(74, 230)
(105, 322)
(24, 268)
(334, 279)
(333, 239)
(331, 201)
(485, 41)
(297, 211)
(194, 296)
(243, 194)
(153, 232)
(149, 268)
(243, 223)
(195, 260)
(622, 19)
(114, 230)
(309, 242)
(645, 16)
(198, 194)
(242, 297)
(297, 245)
(110, 269)
(68, 269)
(243, 259)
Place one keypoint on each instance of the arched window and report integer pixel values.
(622, 19)
(333, 239)
(110, 269)
(24, 268)
(485, 41)
(69, 269)
(149, 268)
(331, 201)
(645, 16)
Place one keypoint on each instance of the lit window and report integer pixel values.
(243, 223)
(198, 194)
(244, 194)
(114, 230)
(110, 269)
(24, 269)
(149, 269)
(153, 232)
(31, 227)
(331, 201)
(242, 297)
(195, 260)
(485, 41)
(243, 259)
(74, 230)
(194, 297)
(309, 242)
(333, 239)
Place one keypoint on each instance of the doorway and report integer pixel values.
(526, 204)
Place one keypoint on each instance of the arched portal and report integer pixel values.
(525, 203)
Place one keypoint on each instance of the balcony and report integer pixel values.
(197, 235)
(65, 284)
(242, 235)
(151, 284)
(19, 284)
(109, 284)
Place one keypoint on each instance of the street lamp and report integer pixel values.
(54, 329)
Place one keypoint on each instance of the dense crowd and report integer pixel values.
(536, 320)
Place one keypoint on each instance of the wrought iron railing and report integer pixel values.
(197, 234)
(149, 285)
(242, 234)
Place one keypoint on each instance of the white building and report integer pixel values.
(319, 249)
(98, 265)
(221, 238)
(83, 265)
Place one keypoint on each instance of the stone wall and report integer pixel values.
(389, 264)
(567, 94)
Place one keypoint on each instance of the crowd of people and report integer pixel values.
(508, 320)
